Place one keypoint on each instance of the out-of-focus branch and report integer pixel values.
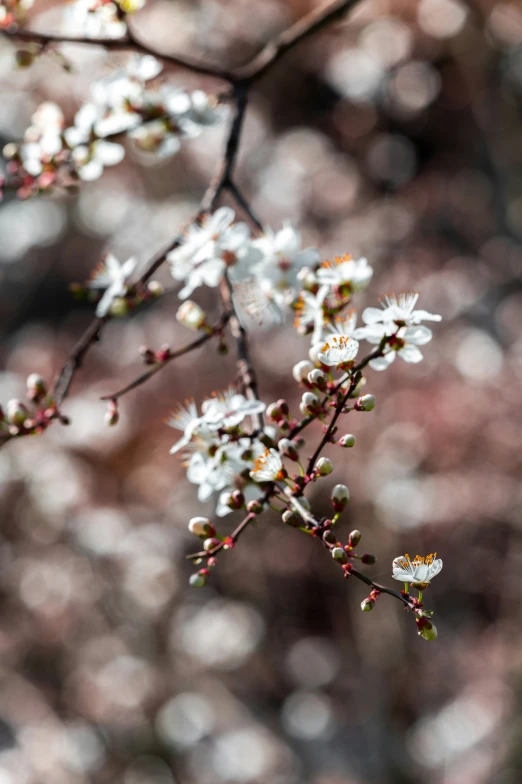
(310, 24)
(215, 330)
(130, 42)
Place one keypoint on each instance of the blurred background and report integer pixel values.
(395, 135)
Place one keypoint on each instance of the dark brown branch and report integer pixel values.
(326, 438)
(130, 41)
(307, 420)
(215, 330)
(309, 25)
(243, 202)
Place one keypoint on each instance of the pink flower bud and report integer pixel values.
(347, 440)
(291, 518)
(36, 387)
(324, 466)
(354, 538)
(339, 555)
(210, 543)
(287, 448)
(191, 315)
(340, 497)
(199, 579)
(254, 507)
(201, 526)
(301, 370)
(365, 403)
(16, 412)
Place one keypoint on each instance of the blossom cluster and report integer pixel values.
(104, 18)
(31, 418)
(128, 103)
(221, 454)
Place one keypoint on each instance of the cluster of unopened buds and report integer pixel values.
(32, 417)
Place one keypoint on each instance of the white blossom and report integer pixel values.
(421, 570)
(338, 350)
(309, 312)
(113, 277)
(228, 409)
(186, 419)
(210, 249)
(345, 270)
(268, 467)
(399, 309)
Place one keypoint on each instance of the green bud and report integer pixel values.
(339, 555)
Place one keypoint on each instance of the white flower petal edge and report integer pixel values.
(421, 570)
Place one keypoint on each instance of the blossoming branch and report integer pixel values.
(246, 453)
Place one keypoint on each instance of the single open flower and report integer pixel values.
(268, 467)
(420, 572)
(338, 350)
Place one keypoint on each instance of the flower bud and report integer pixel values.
(210, 543)
(309, 403)
(365, 403)
(236, 500)
(324, 466)
(191, 315)
(301, 370)
(112, 416)
(426, 628)
(287, 448)
(255, 507)
(273, 412)
(119, 307)
(291, 518)
(340, 497)
(155, 288)
(338, 554)
(367, 604)
(354, 538)
(329, 537)
(199, 579)
(368, 558)
(36, 387)
(201, 526)
(347, 440)
(16, 412)
(283, 405)
(317, 378)
(148, 356)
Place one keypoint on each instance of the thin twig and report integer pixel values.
(326, 438)
(245, 205)
(215, 330)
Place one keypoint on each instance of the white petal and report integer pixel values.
(382, 363)
(418, 335)
(91, 171)
(372, 315)
(411, 354)
(109, 153)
